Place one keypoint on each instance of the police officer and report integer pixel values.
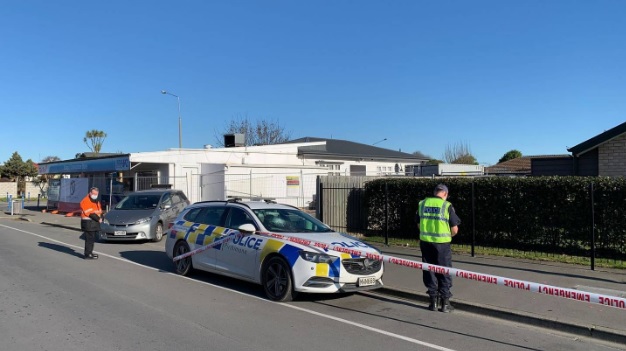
(90, 219)
(438, 223)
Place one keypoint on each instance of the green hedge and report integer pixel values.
(547, 214)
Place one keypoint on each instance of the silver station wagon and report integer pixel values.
(142, 215)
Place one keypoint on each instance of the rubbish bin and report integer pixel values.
(18, 209)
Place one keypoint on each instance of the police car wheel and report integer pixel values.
(277, 281)
(184, 266)
(158, 232)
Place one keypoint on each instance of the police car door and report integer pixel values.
(238, 256)
(207, 226)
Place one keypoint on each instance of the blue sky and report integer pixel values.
(534, 75)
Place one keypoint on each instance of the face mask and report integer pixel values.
(93, 197)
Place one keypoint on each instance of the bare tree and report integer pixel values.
(260, 132)
(50, 159)
(96, 139)
(459, 153)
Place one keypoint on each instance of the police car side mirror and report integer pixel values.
(246, 228)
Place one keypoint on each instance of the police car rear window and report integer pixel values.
(211, 215)
(192, 214)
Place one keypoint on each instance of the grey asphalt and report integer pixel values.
(581, 318)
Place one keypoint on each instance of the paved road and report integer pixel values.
(52, 299)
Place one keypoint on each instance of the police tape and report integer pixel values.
(220, 241)
(305, 242)
(570, 294)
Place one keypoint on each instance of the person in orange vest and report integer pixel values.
(90, 219)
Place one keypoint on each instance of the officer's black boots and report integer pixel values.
(446, 307)
(434, 301)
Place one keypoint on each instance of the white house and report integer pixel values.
(286, 172)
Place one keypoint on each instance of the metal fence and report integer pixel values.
(343, 207)
(341, 204)
(297, 188)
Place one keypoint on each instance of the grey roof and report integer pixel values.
(336, 148)
(597, 140)
(520, 165)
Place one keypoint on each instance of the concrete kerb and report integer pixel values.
(596, 332)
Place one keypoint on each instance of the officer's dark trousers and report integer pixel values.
(90, 239)
(441, 255)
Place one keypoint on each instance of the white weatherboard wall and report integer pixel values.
(270, 171)
(451, 169)
(294, 186)
(186, 171)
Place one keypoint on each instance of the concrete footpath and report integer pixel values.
(580, 318)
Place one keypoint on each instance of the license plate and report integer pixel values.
(119, 232)
(367, 281)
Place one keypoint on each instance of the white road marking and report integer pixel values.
(337, 319)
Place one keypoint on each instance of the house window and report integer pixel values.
(357, 170)
(334, 168)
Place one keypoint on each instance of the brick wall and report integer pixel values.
(612, 157)
(8, 187)
(11, 189)
(34, 190)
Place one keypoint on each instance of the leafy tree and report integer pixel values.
(421, 155)
(434, 161)
(259, 132)
(510, 155)
(459, 153)
(50, 159)
(96, 139)
(30, 168)
(16, 169)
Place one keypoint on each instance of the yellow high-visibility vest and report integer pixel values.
(434, 220)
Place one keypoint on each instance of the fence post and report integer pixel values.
(320, 200)
(386, 215)
(593, 231)
(473, 220)
(38, 198)
(10, 201)
(23, 199)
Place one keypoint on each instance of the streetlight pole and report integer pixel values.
(180, 121)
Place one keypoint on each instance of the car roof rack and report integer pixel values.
(269, 200)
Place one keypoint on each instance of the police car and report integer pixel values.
(271, 244)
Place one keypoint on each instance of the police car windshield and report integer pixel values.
(290, 221)
(138, 202)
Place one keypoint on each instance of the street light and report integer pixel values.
(180, 122)
(378, 142)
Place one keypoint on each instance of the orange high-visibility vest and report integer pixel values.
(88, 207)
